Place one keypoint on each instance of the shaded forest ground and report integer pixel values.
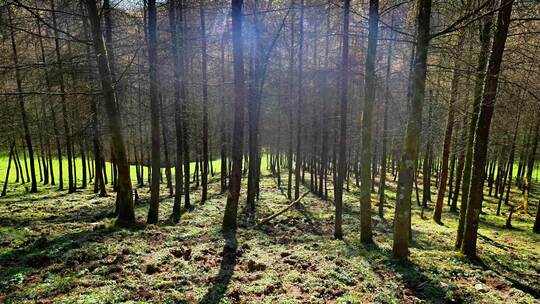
(59, 248)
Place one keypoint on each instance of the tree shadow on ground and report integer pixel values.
(416, 283)
(222, 280)
(508, 273)
(77, 214)
(40, 253)
(312, 222)
(54, 248)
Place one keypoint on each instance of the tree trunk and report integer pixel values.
(325, 119)
(299, 106)
(223, 132)
(412, 135)
(153, 212)
(482, 130)
(69, 151)
(6, 181)
(461, 164)
(168, 173)
(478, 86)
(204, 55)
(126, 214)
(386, 105)
(530, 166)
(231, 208)
(344, 88)
(175, 24)
(22, 106)
(367, 124)
(437, 213)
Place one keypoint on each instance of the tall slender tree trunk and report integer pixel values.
(461, 164)
(479, 80)
(342, 158)
(153, 212)
(65, 118)
(530, 166)
(299, 156)
(204, 59)
(386, 106)
(291, 107)
(402, 218)
(53, 117)
(481, 140)
(175, 24)
(367, 125)
(223, 132)
(99, 182)
(27, 138)
(164, 132)
(231, 208)
(325, 119)
(426, 165)
(437, 213)
(510, 167)
(6, 181)
(126, 214)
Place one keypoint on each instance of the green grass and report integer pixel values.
(20, 188)
(62, 248)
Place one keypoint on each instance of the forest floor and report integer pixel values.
(60, 248)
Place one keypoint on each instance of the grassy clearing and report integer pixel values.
(17, 188)
(59, 248)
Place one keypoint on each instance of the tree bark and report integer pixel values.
(24, 115)
(409, 156)
(126, 214)
(231, 208)
(479, 80)
(175, 24)
(69, 151)
(299, 157)
(154, 113)
(481, 141)
(204, 59)
(370, 87)
(437, 213)
(6, 181)
(342, 158)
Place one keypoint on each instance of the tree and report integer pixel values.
(386, 105)
(24, 115)
(204, 63)
(65, 118)
(154, 109)
(485, 30)
(344, 87)
(481, 136)
(231, 208)
(367, 124)
(124, 196)
(175, 15)
(448, 134)
(299, 105)
(402, 218)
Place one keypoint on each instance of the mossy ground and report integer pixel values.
(60, 248)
